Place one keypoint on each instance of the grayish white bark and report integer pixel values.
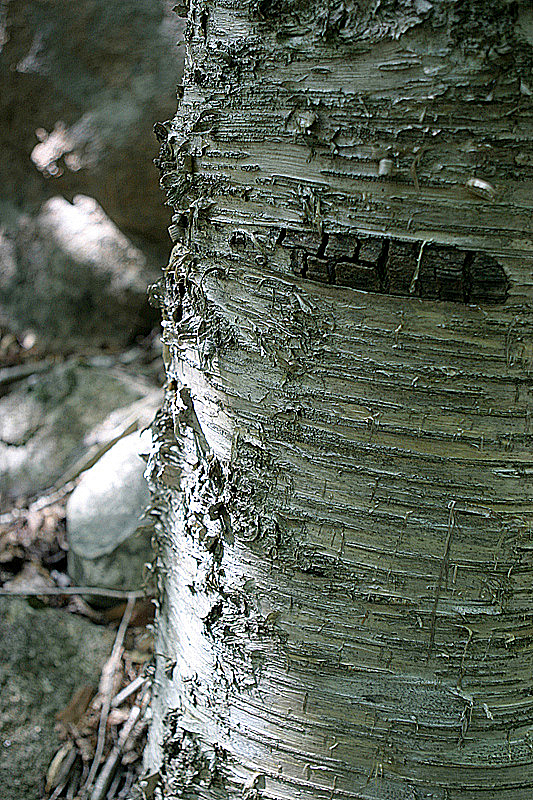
(343, 465)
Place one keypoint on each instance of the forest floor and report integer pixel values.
(74, 676)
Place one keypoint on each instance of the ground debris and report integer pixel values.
(103, 733)
(33, 544)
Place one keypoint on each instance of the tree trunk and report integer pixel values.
(342, 472)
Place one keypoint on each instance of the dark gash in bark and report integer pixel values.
(342, 470)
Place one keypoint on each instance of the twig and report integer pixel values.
(79, 605)
(108, 677)
(73, 784)
(93, 455)
(125, 792)
(66, 483)
(20, 371)
(53, 591)
(112, 791)
(125, 693)
(108, 770)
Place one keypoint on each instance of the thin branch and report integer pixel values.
(18, 372)
(112, 791)
(53, 591)
(129, 690)
(108, 770)
(108, 678)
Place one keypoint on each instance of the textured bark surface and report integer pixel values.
(343, 472)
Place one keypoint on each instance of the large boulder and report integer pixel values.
(82, 85)
(109, 541)
(73, 277)
(47, 423)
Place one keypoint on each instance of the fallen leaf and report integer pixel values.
(77, 705)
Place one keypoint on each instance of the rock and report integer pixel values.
(45, 656)
(82, 86)
(73, 278)
(47, 421)
(108, 542)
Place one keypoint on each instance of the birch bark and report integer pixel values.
(342, 473)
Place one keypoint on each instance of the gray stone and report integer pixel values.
(82, 85)
(45, 656)
(109, 543)
(46, 423)
(71, 276)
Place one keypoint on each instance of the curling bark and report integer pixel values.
(342, 470)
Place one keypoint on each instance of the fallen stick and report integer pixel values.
(18, 372)
(108, 770)
(108, 676)
(112, 791)
(130, 689)
(54, 591)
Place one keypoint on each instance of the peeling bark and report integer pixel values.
(342, 470)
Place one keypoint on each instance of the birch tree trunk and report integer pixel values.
(343, 469)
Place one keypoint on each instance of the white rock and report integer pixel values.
(109, 542)
(48, 423)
